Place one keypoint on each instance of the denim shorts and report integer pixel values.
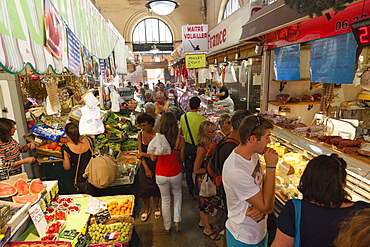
(232, 242)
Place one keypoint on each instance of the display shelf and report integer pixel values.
(358, 167)
(279, 104)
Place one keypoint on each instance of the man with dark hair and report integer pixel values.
(247, 185)
(190, 123)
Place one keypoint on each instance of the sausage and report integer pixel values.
(348, 143)
(351, 150)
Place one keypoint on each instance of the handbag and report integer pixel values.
(207, 188)
(297, 210)
(101, 171)
(159, 145)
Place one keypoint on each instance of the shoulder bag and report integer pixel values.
(297, 210)
(101, 171)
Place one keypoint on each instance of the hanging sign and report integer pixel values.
(194, 61)
(332, 60)
(195, 38)
(286, 63)
(74, 53)
(52, 90)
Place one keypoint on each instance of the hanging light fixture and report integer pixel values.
(162, 7)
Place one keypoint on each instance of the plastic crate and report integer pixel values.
(46, 134)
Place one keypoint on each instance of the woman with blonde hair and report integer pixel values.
(206, 133)
(169, 171)
(224, 122)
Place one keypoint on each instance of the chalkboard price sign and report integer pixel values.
(102, 216)
(83, 240)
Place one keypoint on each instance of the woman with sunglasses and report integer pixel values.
(148, 186)
(206, 133)
(224, 122)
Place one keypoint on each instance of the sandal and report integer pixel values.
(212, 227)
(157, 215)
(144, 217)
(215, 238)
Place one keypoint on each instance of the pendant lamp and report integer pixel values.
(162, 7)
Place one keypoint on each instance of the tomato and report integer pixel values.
(59, 149)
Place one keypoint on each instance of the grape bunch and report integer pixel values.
(98, 232)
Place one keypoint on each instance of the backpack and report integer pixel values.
(214, 169)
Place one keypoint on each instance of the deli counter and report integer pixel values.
(295, 152)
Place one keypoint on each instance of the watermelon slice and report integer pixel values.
(7, 190)
(36, 186)
(22, 187)
(26, 198)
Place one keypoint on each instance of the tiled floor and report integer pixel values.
(151, 232)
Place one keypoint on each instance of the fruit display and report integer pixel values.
(117, 232)
(7, 190)
(52, 146)
(123, 208)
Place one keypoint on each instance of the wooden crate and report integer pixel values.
(49, 152)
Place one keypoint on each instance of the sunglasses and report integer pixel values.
(260, 120)
(211, 132)
(229, 122)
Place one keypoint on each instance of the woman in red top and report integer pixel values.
(169, 171)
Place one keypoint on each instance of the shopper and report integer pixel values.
(161, 104)
(325, 204)
(10, 150)
(177, 111)
(148, 185)
(356, 231)
(169, 171)
(224, 123)
(190, 123)
(150, 109)
(207, 205)
(76, 155)
(246, 185)
(148, 97)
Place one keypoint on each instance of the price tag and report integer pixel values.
(94, 205)
(38, 219)
(38, 140)
(69, 234)
(83, 240)
(102, 216)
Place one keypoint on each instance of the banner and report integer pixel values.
(195, 38)
(88, 65)
(286, 63)
(23, 36)
(74, 53)
(332, 60)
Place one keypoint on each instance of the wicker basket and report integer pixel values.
(49, 152)
(122, 219)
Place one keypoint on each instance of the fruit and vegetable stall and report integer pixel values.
(33, 213)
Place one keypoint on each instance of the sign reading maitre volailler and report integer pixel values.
(195, 38)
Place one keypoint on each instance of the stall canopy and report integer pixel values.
(272, 17)
(34, 32)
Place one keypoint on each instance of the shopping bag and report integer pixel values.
(207, 188)
(159, 145)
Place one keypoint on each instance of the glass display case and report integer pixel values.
(295, 151)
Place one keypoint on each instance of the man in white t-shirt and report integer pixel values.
(246, 185)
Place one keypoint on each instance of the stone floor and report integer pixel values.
(151, 233)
